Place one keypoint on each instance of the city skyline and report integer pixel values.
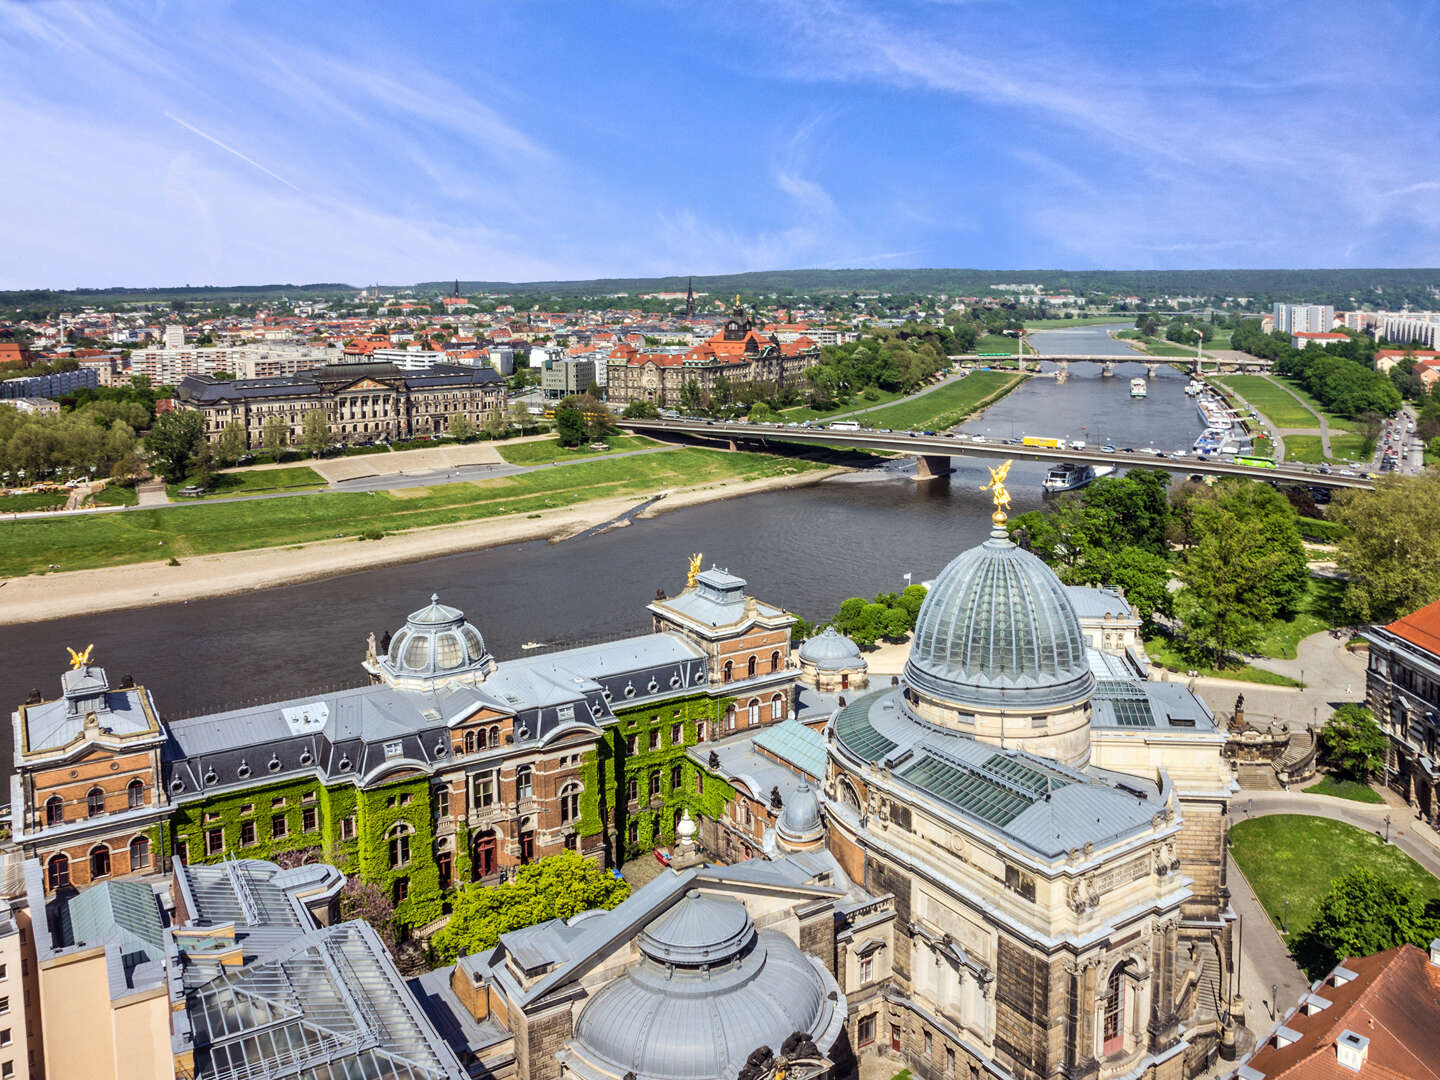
(210, 145)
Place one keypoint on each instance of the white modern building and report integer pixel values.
(1304, 318)
(1413, 328)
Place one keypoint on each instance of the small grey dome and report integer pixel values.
(800, 820)
(831, 651)
(685, 1020)
(998, 631)
(436, 641)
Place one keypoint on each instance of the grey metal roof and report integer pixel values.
(717, 599)
(1034, 801)
(831, 650)
(125, 912)
(701, 929)
(1090, 602)
(206, 389)
(53, 724)
(997, 630)
(1153, 705)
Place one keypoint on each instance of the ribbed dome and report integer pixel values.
(685, 1023)
(998, 631)
(800, 820)
(698, 930)
(436, 641)
(831, 651)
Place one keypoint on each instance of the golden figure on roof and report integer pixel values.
(998, 491)
(694, 569)
(80, 660)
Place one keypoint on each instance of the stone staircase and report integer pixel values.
(1298, 761)
(1257, 776)
(1208, 997)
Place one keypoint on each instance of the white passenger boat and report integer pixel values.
(1069, 476)
(1138, 388)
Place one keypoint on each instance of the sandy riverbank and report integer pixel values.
(39, 597)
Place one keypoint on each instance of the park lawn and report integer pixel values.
(256, 482)
(1335, 420)
(800, 413)
(83, 542)
(115, 495)
(1318, 610)
(1080, 320)
(1156, 346)
(947, 405)
(1163, 652)
(1305, 449)
(1279, 407)
(1348, 447)
(999, 343)
(32, 500)
(1295, 857)
(1345, 789)
(544, 451)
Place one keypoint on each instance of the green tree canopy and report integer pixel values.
(570, 424)
(641, 410)
(315, 432)
(172, 443)
(461, 426)
(274, 434)
(1362, 914)
(556, 887)
(230, 447)
(1391, 559)
(1353, 743)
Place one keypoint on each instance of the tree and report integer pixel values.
(691, 399)
(129, 470)
(760, 413)
(1391, 559)
(171, 443)
(1223, 602)
(1362, 914)
(641, 410)
(274, 434)
(1353, 743)
(315, 432)
(461, 427)
(556, 887)
(520, 416)
(570, 423)
(230, 447)
(497, 425)
(1144, 578)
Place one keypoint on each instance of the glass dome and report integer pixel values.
(436, 641)
(997, 631)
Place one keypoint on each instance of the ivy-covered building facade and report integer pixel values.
(448, 767)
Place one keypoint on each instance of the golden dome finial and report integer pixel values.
(694, 569)
(80, 660)
(998, 491)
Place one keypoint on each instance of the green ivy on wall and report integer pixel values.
(609, 768)
(192, 821)
(380, 809)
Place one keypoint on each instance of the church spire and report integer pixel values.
(690, 299)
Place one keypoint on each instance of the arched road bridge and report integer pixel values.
(1239, 361)
(935, 451)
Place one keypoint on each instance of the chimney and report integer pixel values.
(1351, 1050)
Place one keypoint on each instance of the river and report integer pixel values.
(806, 549)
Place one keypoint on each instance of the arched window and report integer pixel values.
(495, 736)
(633, 789)
(775, 660)
(729, 670)
(849, 797)
(135, 794)
(94, 801)
(777, 707)
(570, 803)
(750, 668)
(139, 854)
(524, 782)
(730, 718)
(754, 710)
(676, 776)
(1114, 1026)
(655, 783)
(54, 810)
(399, 837)
(59, 871)
(99, 861)
(469, 742)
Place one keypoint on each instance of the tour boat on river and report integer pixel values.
(1138, 388)
(1070, 476)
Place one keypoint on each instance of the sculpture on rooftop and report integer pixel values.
(695, 561)
(998, 491)
(80, 660)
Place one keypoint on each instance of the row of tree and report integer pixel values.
(1342, 377)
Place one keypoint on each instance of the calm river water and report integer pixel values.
(806, 549)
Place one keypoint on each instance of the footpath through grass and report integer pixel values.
(948, 405)
(1345, 789)
(544, 451)
(1295, 857)
(801, 413)
(84, 542)
(1318, 610)
(255, 482)
(1164, 652)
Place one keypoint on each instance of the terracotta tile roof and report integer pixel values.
(1394, 1001)
(1421, 628)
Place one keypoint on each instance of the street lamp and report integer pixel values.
(1274, 993)
(1285, 919)
(1387, 828)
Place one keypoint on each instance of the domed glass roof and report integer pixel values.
(997, 631)
(689, 1018)
(436, 641)
(831, 651)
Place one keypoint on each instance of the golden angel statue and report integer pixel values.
(997, 488)
(80, 660)
(694, 569)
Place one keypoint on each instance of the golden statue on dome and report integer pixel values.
(998, 492)
(694, 569)
(80, 660)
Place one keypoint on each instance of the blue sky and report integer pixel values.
(205, 142)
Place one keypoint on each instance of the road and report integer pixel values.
(947, 445)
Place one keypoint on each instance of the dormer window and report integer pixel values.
(392, 749)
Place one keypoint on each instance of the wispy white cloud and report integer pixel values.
(231, 150)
